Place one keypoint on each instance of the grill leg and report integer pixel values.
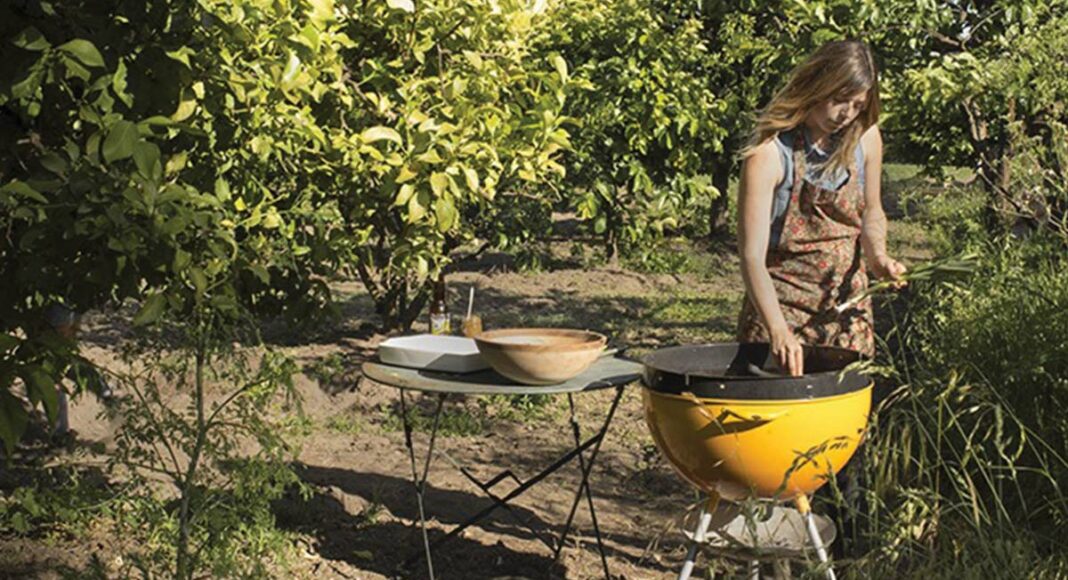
(814, 534)
(703, 522)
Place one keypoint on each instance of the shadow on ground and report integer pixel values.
(383, 543)
(392, 548)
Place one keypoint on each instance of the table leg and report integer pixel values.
(420, 483)
(487, 489)
(584, 485)
(516, 492)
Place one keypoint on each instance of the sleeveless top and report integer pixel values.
(815, 156)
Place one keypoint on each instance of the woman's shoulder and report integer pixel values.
(871, 140)
(765, 152)
(764, 159)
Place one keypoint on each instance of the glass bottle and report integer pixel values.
(439, 313)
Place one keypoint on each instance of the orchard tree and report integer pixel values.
(984, 88)
(172, 155)
(457, 118)
(647, 120)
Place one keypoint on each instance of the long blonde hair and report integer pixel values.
(843, 67)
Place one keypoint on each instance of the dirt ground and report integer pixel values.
(362, 520)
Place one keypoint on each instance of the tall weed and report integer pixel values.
(963, 472)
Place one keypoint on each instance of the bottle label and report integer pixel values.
(439, 324)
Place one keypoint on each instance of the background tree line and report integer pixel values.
(217, 163)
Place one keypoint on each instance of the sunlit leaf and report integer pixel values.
(374, 134)
(84, 51)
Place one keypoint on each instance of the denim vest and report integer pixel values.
(815, 156)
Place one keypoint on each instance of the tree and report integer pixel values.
(648, 121)
(169, 154)
(458, 117)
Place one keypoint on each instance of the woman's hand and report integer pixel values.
(886, 268)
(787, 349)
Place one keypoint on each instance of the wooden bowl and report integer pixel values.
(540, 356)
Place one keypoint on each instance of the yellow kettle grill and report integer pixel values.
(736, 429)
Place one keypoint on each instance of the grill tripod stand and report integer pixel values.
(778, 535)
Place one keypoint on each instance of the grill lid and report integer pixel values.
(748, 371)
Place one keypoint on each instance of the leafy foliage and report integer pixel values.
(980, 84)
(461, 119)
(649, 130)
(228, 458)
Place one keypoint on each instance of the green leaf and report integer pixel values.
(182, 55)
(120, 141)
(84, 51)
(431, 156)
(405, 174)
(471, 176)
(474, 59)
(260, 272)
(27, 87)
(181, 261)
(445, 211)
(41, 387)
(405, 5)
(13, 419)
(8, 342)
(292, 68)
(31, 39)
(222, 189)
(55, 164)
(200, 281)
(380, 133)
(76, 70)
(404, 194)
(157, 120)
(92, 146)
(21, 188)
(322, 10)
(272, 220)
(417, 206)
(118, 84)
(184, 111)
(147, 157)
(176, 163)
(561, 66)
(438, 183)
(422, 268)
(151, 310)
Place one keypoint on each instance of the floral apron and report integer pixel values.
(817, 265)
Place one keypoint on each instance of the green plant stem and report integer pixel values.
(183, 565)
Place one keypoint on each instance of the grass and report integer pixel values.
(59, 502)
(455, 421)
(346, 423)
(522, 408)
(328, 370)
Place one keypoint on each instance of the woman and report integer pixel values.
(810, 212)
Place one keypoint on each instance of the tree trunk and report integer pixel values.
(993, 153)
(184, 565)
(611, 237)
(717, 216)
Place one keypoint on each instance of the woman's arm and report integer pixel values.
(761, 171)
(873, 228)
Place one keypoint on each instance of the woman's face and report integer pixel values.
(837, 112)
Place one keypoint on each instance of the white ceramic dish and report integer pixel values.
(451, 354)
